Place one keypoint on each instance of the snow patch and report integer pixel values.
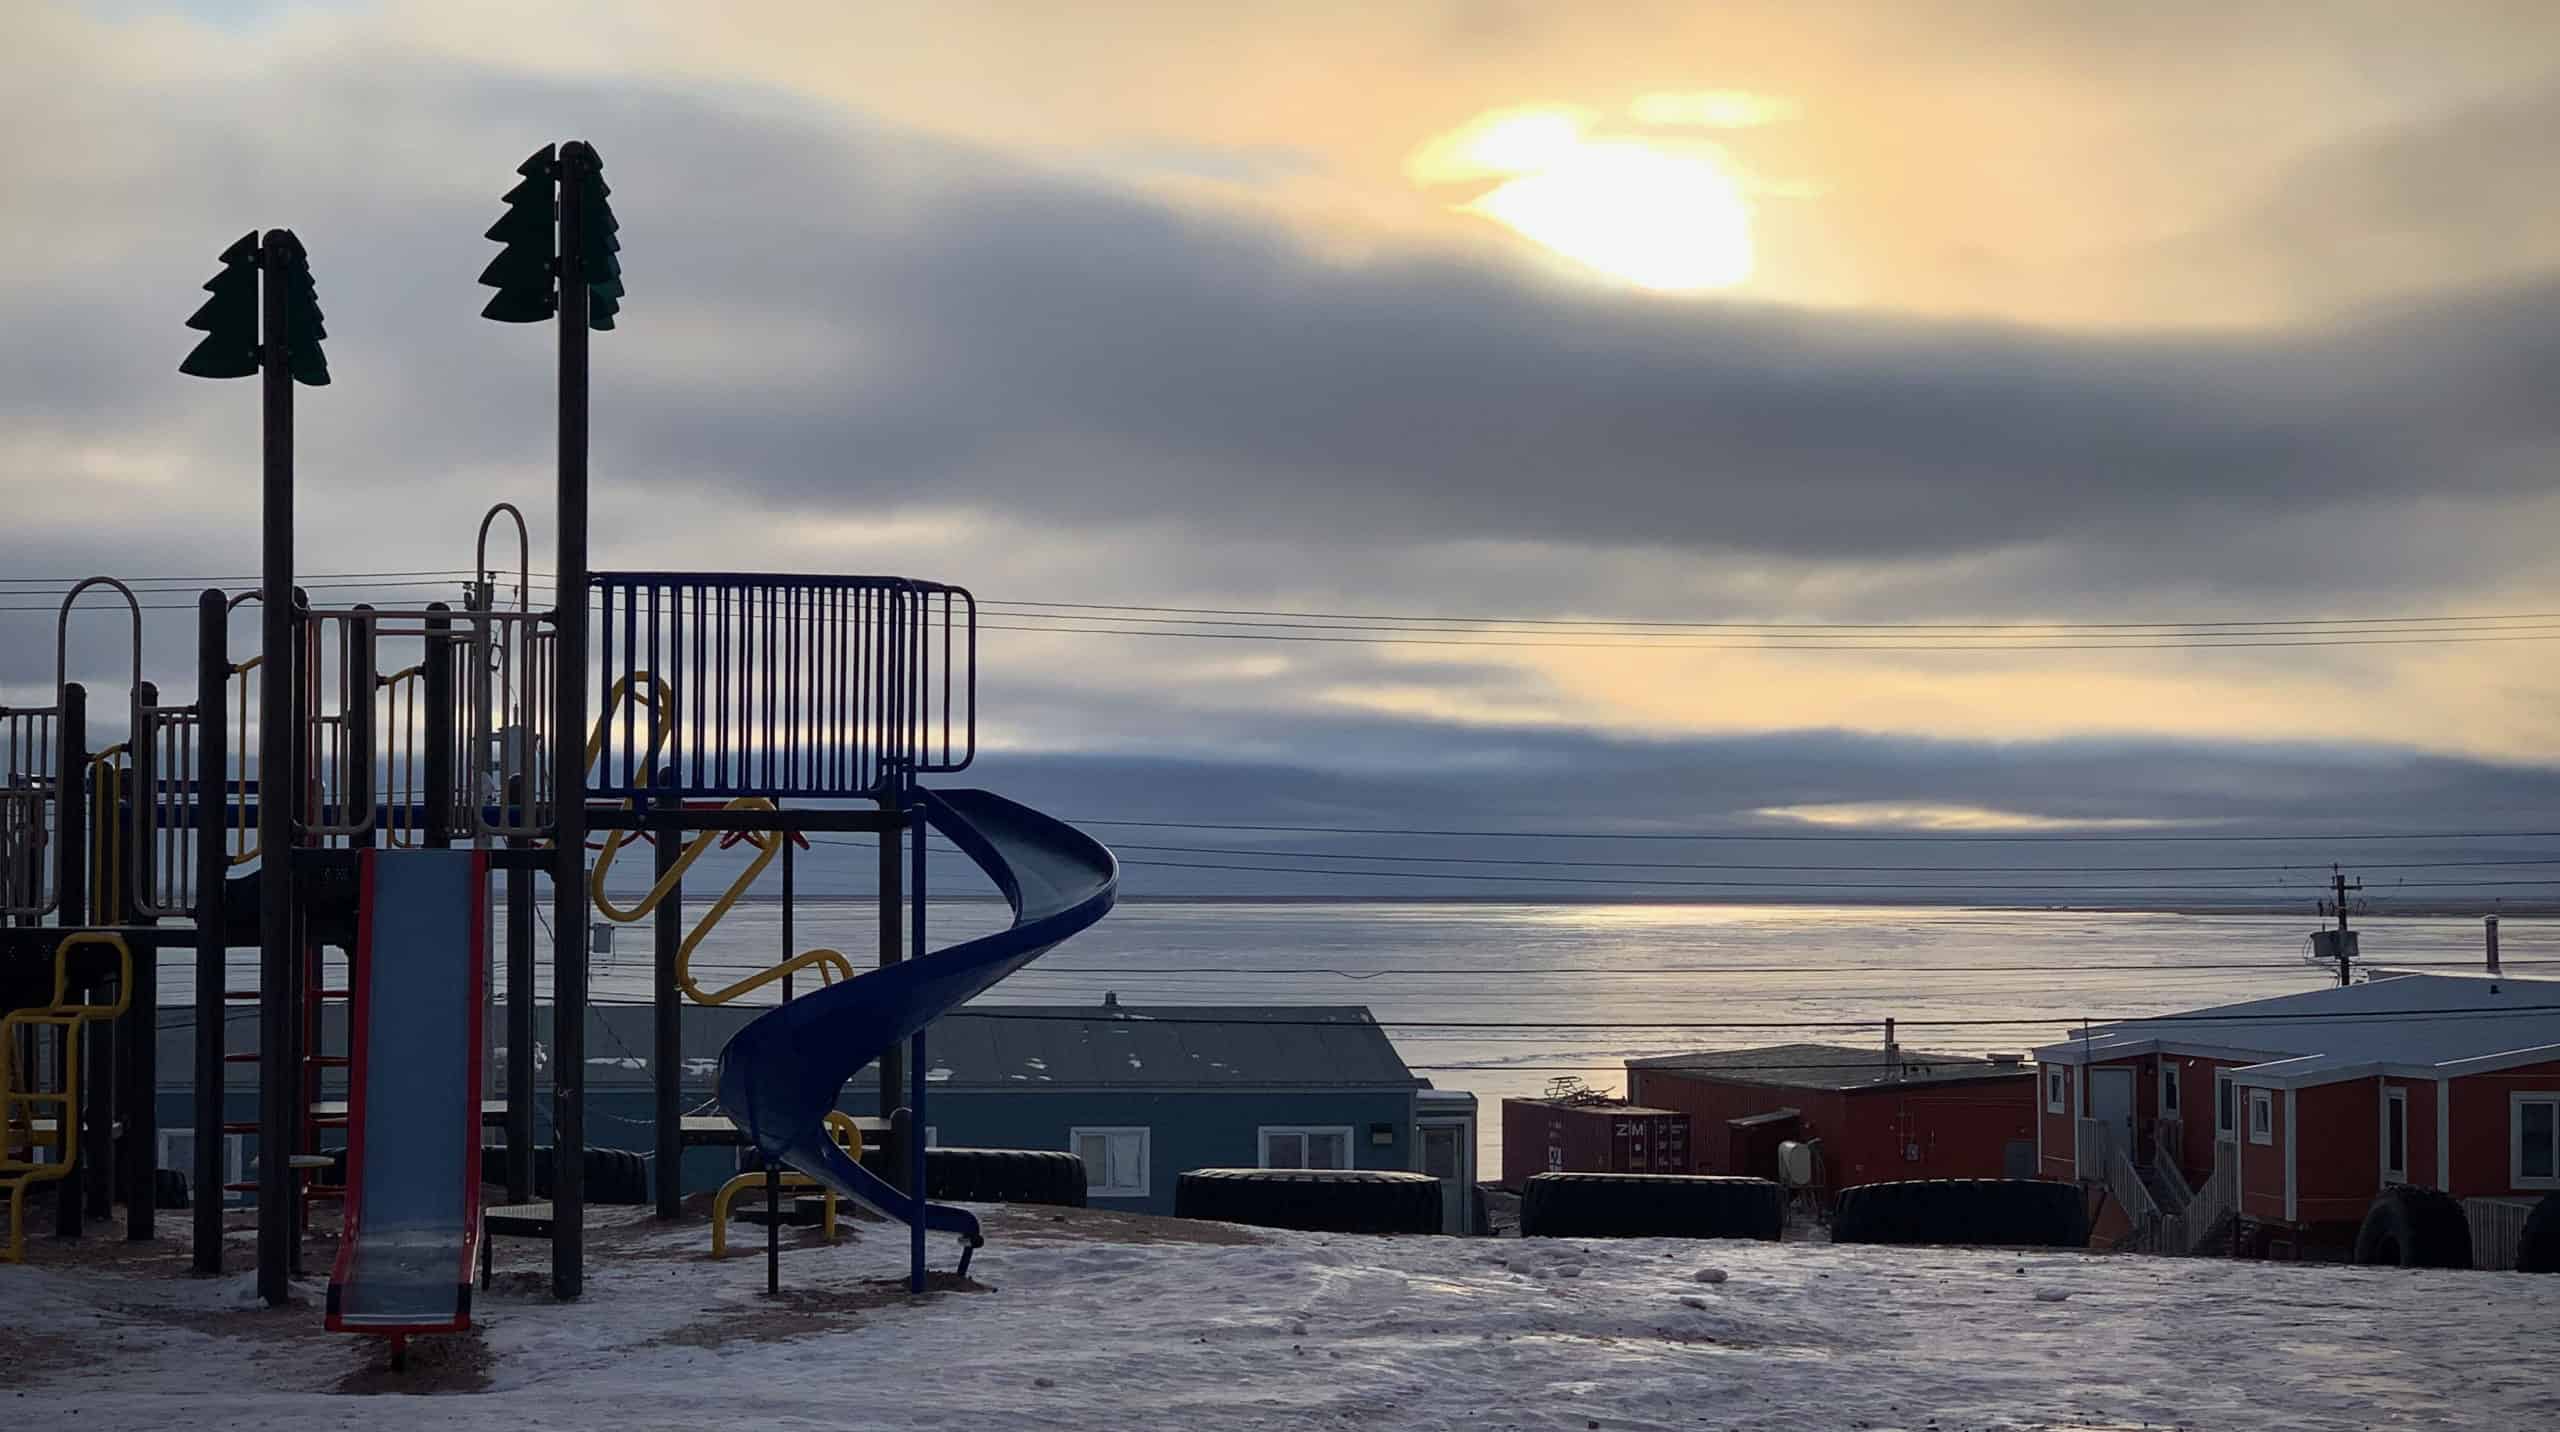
(1417, 1332)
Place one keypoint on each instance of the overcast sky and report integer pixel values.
(1973, 313)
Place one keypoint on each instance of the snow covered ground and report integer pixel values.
(1096, 1320)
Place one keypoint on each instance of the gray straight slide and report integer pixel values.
(413, 1096)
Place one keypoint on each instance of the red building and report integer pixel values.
(2290, 1114)
(1878, 1118)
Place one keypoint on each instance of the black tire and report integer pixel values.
(1313, 1200)
(2410, 1227)
(613, 1175)
(1650, 1205)
(1993, 1212)
(1041, 1176)
(2538, 1251)
(169, 1189)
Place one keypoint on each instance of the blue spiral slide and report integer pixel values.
(784, 1072)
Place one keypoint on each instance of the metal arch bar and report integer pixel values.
(62, 629)
(524, 554)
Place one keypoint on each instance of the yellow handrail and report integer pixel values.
(660, 698)
(106, 853)
(248, 831)
(400, 755)
(21, 1175)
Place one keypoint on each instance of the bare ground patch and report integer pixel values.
(802, 1312)
(27, 1358)
(437, 1363)
(1027, 1224)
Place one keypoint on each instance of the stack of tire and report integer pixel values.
(2411, 1227)
(1040, 1176)
(1996, 1212)
(2539, 1250)
(612, 1175)
(1650, 1205)
(1312, 1200)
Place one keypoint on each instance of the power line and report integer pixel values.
(2019, 633)
(1869, 869)
(2088, 1022)
(1769, 645)
(1916, 837)
(244, 578)
(1388, 620)
(1942, 887)
(1638, 633)
(1902, 971)
(1778, 626)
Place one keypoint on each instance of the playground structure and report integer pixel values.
(410, 774)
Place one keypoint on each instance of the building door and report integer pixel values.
(1444, 1157)
(2111, 1105)
(2395, 1136)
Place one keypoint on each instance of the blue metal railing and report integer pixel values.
(806, 687)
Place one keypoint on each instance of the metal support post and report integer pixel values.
(213, 868)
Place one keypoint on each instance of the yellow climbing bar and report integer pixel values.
(848, 1136)
(641, 688)
(20, 1175)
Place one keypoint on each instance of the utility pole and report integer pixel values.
(2339, 885)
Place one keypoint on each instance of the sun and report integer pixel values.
(1666, 216)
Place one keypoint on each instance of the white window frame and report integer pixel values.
(235, 1159)
(2391, 1096)
(2173, 1091)
(2226, 1105)
(1262, 1141)
(1137, 1188)
(2262, 1131)
(2057, 1089)
(2515, 1137)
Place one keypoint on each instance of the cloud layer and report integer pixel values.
(853, 344)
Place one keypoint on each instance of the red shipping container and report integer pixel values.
(1588, 1135)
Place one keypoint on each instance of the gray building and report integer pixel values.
(1143, 1094)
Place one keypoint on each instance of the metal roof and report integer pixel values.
(1830, 1066)
(1167, 1046)
(2420, 1025)
(994, 1047)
